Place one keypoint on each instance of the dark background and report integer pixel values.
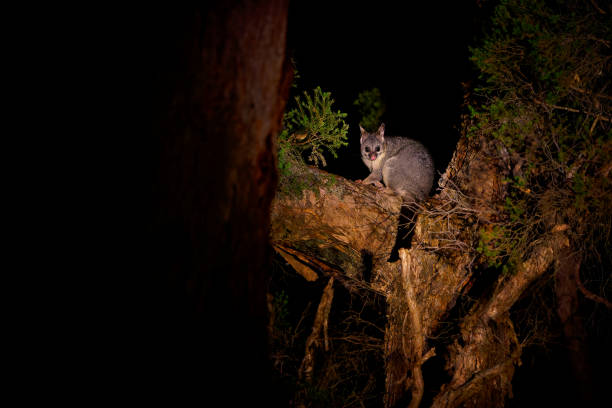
(415, 53)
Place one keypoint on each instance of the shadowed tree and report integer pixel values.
(218, 94)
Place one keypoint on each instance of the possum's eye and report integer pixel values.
(367, 149)
(378, 148)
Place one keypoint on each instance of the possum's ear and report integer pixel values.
(380, 133)
(363, 133)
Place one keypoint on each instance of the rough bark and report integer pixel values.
(416, 355)
(483, 361)
(335, 226)
(440, 261)
(219, 94)
(435, 285)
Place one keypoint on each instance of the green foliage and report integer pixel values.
(313, 127)
(488, 245)
(296, 74)
(543, 47)
(544, 68)
(498, 245)
(280, 305)
(371, 108)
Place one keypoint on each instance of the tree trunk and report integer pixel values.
(221, 84)
(567, 269)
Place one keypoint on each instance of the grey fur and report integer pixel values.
(403, 164)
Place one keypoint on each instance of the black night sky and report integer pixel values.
(416, 53)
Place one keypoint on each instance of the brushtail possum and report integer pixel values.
(403, 164)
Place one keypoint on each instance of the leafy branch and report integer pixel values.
(313, 127)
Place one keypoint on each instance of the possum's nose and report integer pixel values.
(372, 156)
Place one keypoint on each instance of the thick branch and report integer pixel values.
(417, 336)
(335, 222)
(484, 344)
(509, 291)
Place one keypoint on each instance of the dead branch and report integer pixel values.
(320, 324)
(303, 264)
(590, 93)
(417, 336)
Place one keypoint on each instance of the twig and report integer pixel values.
(584, 91)
(573, 110)
(597, 7)
(590, 295)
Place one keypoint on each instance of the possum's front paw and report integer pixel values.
(376, 183)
